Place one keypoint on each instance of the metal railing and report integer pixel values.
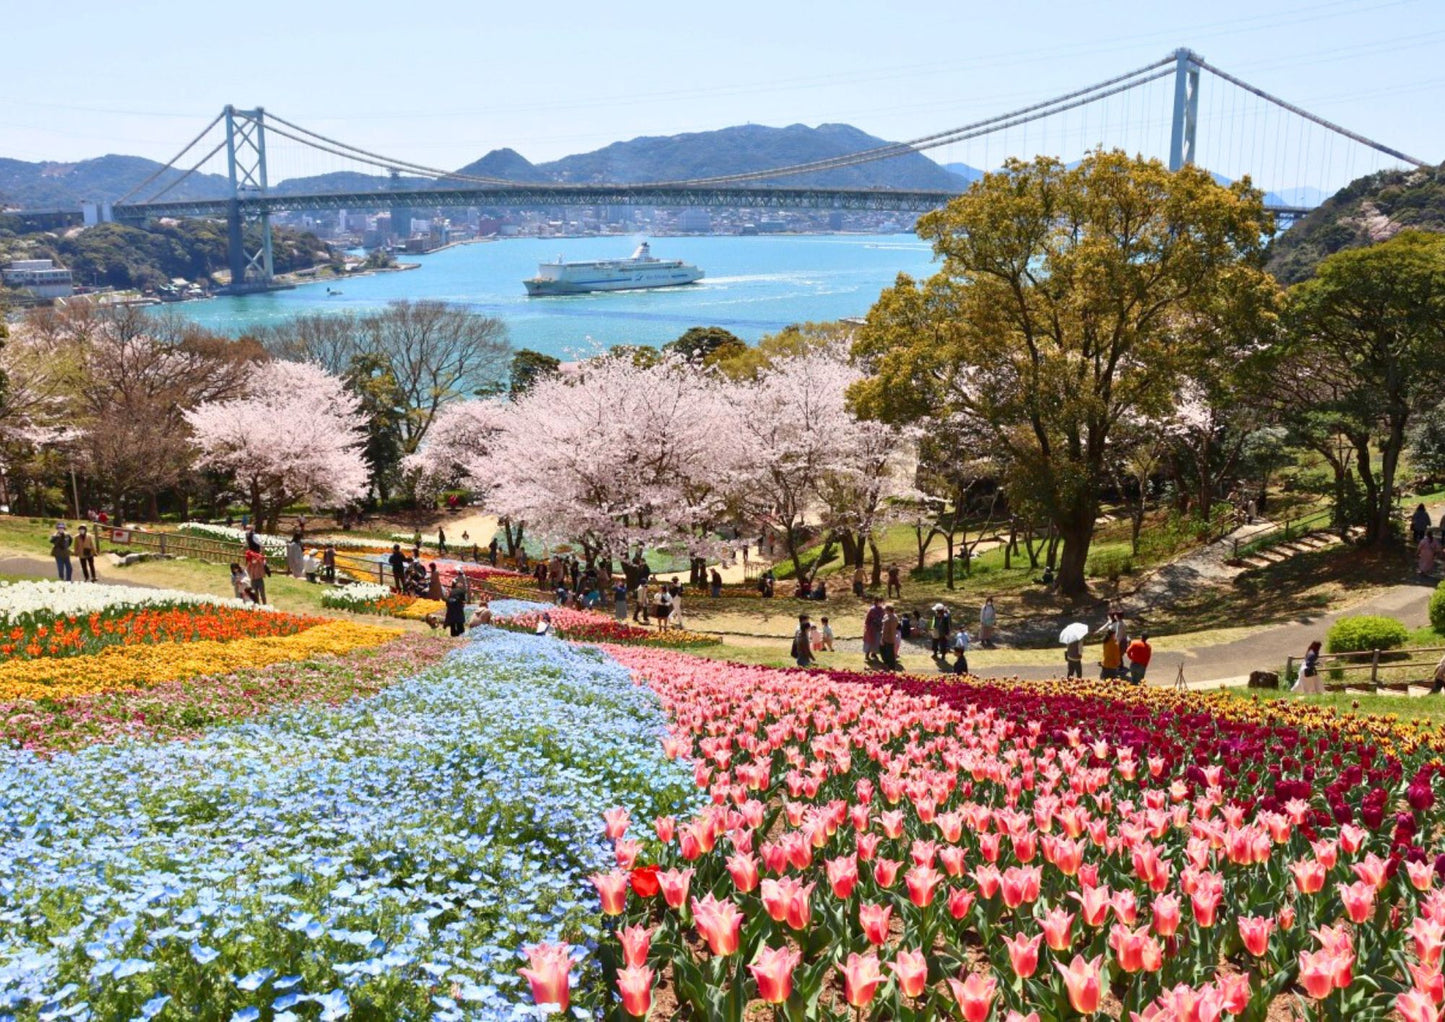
(1374, 661)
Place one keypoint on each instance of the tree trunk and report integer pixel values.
(1008, 548)
(790, 538)
(256, 508)
(1371, 485)
(852, 550)
(1076, 535)
(948, 572)
(877, 562)
(1389, 462)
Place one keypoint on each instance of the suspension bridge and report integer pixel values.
(1251, 133)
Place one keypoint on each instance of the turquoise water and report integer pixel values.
(754, 286)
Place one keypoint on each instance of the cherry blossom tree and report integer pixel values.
(297, 434)
(617, 456)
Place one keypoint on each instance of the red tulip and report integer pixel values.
(634, 983)
(548, 973)
(644, 881)
(974, 995)
(772, 970)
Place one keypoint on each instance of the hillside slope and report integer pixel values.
(1368, 210)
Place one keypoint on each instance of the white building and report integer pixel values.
(39, 277)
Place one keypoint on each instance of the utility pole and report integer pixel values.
(1186, 108)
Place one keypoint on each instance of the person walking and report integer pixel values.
(60, 543)
(85, 549)
(826, 636)
(1139, 654)
(888, 638)
(675, 591)
(1308, 683)
(441, 541)
(715, 584)
(987, 622)
(456, 616)
(895, 583)
(397, 560)
(873, 631)
(1426, 552)
(1074, 659)
(1419, 523)
(802, 648)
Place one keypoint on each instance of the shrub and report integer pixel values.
(1437, 609)
(1365, 632)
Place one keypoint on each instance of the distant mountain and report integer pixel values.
(107, 178)
(962, 170)
(345, 181)
(747, 148)
(1368, 210)
(507, 164)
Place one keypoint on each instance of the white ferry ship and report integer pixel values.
(642, 270)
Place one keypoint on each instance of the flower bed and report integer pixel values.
(590, 626)
(910, 849)
(382, 858)
(30, 604)
(418, 609)
(366, 598)
(76, 636)
(183, 709)
(136, 666)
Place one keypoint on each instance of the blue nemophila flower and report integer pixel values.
(446, 821)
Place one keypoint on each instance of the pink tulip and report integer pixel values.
(634, 983)
(1359, 900)
(1023, 953)
(1317, 973)
(616, 821)
(772, 970)
(1094, 905)
(612, 887)
(1416, 1006)
(1083, 983)
(549, 965)
(636, 942)
(874, 920)
(861, 977)
(719, 923)
(674, 884)
(921, 881)
(1254, 932)
(910, 969)
(1309, 875)
(960, 901)
(842, 875)
(744, 871)
(974, 995)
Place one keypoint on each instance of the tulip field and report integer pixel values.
(513, 826)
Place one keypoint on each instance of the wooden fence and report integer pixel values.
(1389, 669)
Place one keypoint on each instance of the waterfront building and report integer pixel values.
(40, 278)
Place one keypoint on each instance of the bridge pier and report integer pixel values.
(246, 168)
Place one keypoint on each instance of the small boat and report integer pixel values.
(642, 270)
(333, 291)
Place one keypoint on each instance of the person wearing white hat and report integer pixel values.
(60, 550)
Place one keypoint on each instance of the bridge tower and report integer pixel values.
(246, 167)
(1186, 108)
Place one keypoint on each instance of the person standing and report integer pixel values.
(456, 616)
(858, 581)
(716, 583)
(895, 583)
(644, 604)
(1111, 658)
(802, 649)
(1426, 552)
(296, 556)
(888, 638)
(873, 631)
(397, 560)
(662, 610)
(85, 549)
(328, 562)
(939, 628)
(1309, 682)
(960, 651)
(60, 543)
(1419, 523)
(987, 622)
(619, 600)
(492, 551)
(434, 584)
(1139, 654)
(441, 541)
(256, 569)
(1074, 659)
(826, 637)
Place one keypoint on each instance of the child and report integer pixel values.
(815, 638)
(241, 583)
(827, 637)
(960, 651)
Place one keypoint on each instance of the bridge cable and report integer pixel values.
(1299, 111)
(387, 161)
(938, 138)
(195, 167)
(170, 165)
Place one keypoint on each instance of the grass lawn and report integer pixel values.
(1422, 707)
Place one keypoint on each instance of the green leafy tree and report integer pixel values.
(1067, 297)
(1369, 329)
(528, 367)
(370, 378)
(706, 344)
(1427, 441)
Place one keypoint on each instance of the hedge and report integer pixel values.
(1364, 633)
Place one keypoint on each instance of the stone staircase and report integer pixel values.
(1307, 543)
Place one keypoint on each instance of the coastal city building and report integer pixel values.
(39, 278)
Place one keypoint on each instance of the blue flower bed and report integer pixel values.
(512, 608)
(387, 858)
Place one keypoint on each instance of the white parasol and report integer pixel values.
(1073, 632)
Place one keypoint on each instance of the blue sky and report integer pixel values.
(444, 81)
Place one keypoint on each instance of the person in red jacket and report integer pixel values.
(1139, 652)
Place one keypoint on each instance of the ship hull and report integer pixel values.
(544, 287)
